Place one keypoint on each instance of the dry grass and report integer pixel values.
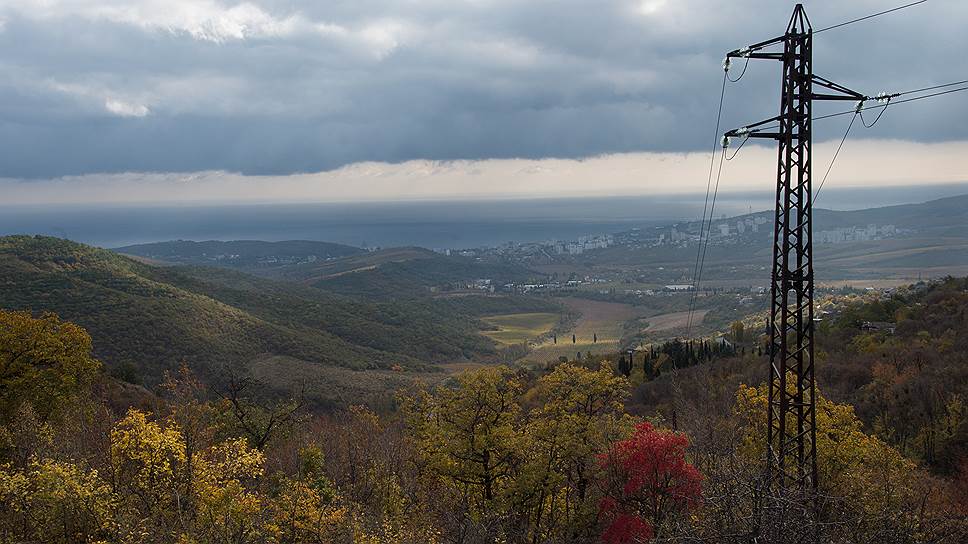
(675, 320)
(519, 328)
(606, 320)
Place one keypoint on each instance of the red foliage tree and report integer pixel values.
(646, 481)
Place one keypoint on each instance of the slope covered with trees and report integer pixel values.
(901, 362)
(250, 255)
(495, 455)
(147, 319)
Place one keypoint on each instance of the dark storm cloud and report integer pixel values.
(275, 86)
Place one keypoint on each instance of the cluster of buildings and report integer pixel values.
(583, 244)
(855, 234)
(688, 233)
(742, 226)
(553, 285)
(266, 260)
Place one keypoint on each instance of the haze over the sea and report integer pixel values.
(431, 224)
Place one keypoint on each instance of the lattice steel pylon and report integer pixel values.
(791, 430)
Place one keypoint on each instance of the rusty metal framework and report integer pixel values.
(791, 430)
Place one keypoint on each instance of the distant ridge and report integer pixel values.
(240, 253)
(948, 212)
(944, 213)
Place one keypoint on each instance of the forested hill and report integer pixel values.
(242, 254)
(400, 273)
(901, 362)
(406, 273)
(146, 319)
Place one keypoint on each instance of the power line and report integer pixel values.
(741, 74)
(709, 228)
(893, 103)
(859, 112)
(709, 179)
(833, 160)
(939, 93)
(741, 144)
(933, 87)
(885, 12)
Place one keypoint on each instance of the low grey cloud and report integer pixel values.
(274, 87)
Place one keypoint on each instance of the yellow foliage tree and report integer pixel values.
(227, 509)
(303, 513)
(54, 501)
(43, 361)
(578, 413)
(851, 464)
(212, 499)
(468, 434)
(148, 460)
(525, 475)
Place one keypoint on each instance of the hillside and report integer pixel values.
(943, 216)
(146, 319)
(906, 376)
(250, 255)
(408, 273)
(386, 274)
(909, 241)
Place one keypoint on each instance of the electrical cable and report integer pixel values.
(741, 144)
(859, 19)
(860, 112)
(962, 82)
(836, 154)
(709, 226)
(709, 179)
(743, 73)
(895, 102)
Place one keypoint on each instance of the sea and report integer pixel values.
(430, 224)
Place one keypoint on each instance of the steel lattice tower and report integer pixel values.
(791, 430)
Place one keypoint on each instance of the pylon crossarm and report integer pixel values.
(750, 51)
(845, 93)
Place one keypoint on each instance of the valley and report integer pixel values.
(343, 323)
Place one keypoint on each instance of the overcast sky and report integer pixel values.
(217, 99)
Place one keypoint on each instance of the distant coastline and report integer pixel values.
(430, 224)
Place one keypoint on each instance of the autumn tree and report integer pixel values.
(304, 512)
(737, 330)
(868, 491)
(468, 434)
(148, 462)
(522, 460)
(577, 414)
(43, 361)
(851, 463)
(647, 482)
(55, 501)
(213, 498)
(261, 419)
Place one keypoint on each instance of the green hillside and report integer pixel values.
(145, 319)
(253, 255)
(402, 273)
(407, 273)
